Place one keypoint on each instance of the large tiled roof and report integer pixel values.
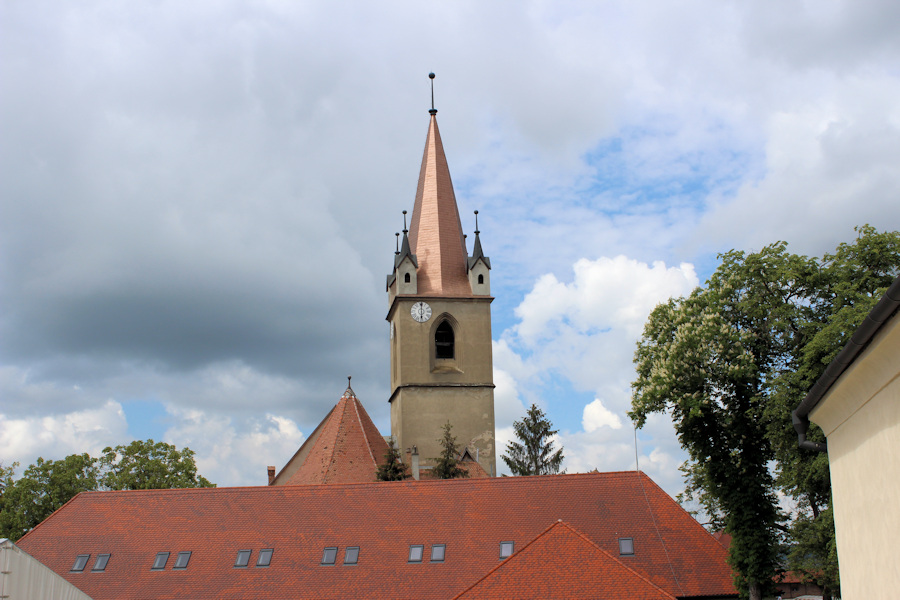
(346, 447)
(563, 563)
(470, 516)
(435, 233)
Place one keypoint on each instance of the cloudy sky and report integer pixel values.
(198, 200)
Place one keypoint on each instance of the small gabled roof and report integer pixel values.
(346, 447)
(478, 253)
(435, 233)
(562, 563)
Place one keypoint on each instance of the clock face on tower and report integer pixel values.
(421, 312)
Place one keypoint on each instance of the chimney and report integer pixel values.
(415, 463)
(271, 470)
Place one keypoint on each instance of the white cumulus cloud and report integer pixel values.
(596, 416)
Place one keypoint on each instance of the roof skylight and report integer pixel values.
(243, 558)
(329, 555)
(80, 562)
(264, 558)
(506, 549)
(182, 561)
(351, 555)
(160, 562)
(437, 552)
(100, 565)
(626, 546)
(415, 553)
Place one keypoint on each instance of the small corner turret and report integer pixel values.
(478, 267)
(403, 280)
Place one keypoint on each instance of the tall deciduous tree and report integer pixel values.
(43, 488)
(392, 469)
(148, 465)
(48, 484)
(730, 362)
(535, 455)
(447, 464)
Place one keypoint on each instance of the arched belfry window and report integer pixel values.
(406, 278)
(480, 278)
(443, 341)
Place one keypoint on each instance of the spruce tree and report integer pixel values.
(447, 465)
(536, 454)
(392, 469)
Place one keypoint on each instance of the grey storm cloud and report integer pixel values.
(198, 201)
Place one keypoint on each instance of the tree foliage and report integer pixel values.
(149, 465)
(48, 484)
(447, 464)
(535, 455)
(392, 469)
(44, 487)
(730, 362)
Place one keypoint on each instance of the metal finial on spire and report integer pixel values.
(433, 110)
(405, 230)
(348, 382)
(397, 245)
(476, 223)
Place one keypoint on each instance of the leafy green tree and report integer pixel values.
(44, 487)
(447, 464)
(730, 362)
(535, 455)
(48, 484)
(392, 469)
(149, 465)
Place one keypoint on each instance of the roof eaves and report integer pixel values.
(871, 325)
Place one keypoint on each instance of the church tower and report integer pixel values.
(440, 323)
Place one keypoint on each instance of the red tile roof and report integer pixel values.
(346, 447)
(435, 232)
(470, 516)
(563, 563)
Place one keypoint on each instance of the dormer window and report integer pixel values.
(443, 341)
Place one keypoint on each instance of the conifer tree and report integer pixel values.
(536, 454)
(447, 465)
(392, 469)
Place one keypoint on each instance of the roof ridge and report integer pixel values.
(609, 554)
(559, 523)
(342, 407)
(683, 509)
(662, 540)
(363, 428)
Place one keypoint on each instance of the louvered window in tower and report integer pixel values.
(443, 341)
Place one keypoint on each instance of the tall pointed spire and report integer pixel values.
(435, 233)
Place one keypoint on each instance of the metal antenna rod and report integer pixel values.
(433, 110)
(636, 466)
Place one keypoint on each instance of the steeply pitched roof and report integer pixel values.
(435, 233)
(470, 516)
(563, 563)
(346, 447)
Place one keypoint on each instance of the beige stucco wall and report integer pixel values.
(418, 415)
(427, 393)
(860, 416)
